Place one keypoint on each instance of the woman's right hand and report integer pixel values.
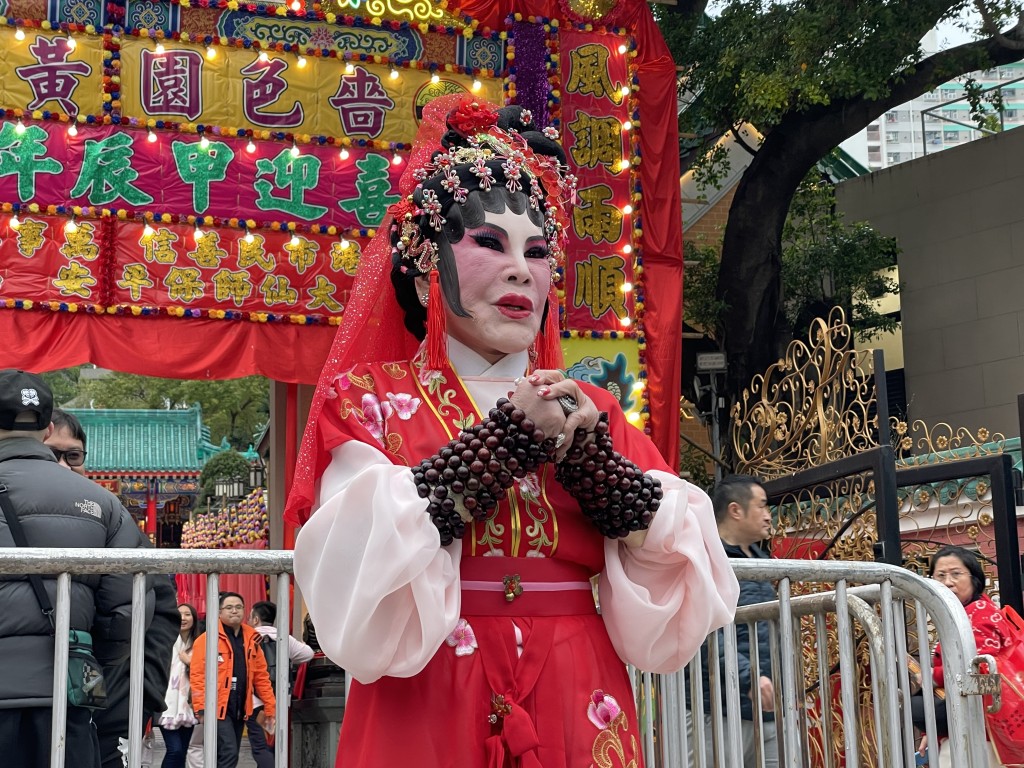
(547, 415)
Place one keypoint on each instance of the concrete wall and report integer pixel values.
(959, 219)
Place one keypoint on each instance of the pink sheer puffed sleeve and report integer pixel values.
(381, 590)
(660, 600)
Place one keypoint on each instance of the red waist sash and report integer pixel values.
(525, 586)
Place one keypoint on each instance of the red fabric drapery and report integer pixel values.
(659, 177)
(253, 589)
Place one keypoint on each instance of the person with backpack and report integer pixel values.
(262, 619)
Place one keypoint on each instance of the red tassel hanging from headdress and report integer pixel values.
(549, 342)
(437, 327)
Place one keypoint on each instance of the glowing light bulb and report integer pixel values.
(151, 137)
(159, 49)
(627, 209)
(296, 5)
(15, 222)
(624, 164)
(623, 48)
(349, 69)
(148, 231)
(396, 160)
(394, 74)
(344, 244)
(294, 242)
(19, 35)
(248, 237)
(627, 287)
(625, 322)
(638, 386)
(435, 78)
(211, 52)
(477, 85)
(294, 150)
(204, 142)
(343, 154)
(627, 126)
(70, 227)
(19, 128)
(72, 44)
(627, 248)
(72, 130)
(301, 62)
(250, 147)
(625, 90)
(633, 416)
(199, 234)
(264, 56)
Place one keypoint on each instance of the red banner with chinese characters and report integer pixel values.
(175, 269)
(596, 135)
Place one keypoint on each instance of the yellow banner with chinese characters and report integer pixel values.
(282, 92)
(51, 72)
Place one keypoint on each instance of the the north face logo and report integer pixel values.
(89, 507)
(29, 397)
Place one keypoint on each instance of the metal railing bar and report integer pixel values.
(137, 661)
(62, 632)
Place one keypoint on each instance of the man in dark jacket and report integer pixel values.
(56, 508)
(744, 519)
(67, 441)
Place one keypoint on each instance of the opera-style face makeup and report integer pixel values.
(504, 279)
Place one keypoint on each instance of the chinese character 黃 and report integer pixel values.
(53, 78)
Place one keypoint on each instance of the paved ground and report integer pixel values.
(245, 759)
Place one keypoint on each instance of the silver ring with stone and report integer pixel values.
(560, 440)
(569, 404)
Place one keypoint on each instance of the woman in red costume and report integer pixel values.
(467, 495)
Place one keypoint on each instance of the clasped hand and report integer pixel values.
(537, 396)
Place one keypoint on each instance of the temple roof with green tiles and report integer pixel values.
(150, 442)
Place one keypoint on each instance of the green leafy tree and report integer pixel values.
(236, 408)
(807, 74)
(227, 465)
(64, 384)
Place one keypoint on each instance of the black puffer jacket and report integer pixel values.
(750, 592)
(58, 508)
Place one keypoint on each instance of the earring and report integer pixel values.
(424, 298)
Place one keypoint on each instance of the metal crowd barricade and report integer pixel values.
(810, 636)
(141, 563)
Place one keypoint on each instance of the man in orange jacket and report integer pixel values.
(241, 670)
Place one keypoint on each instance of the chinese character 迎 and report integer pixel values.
(302, 254)
(184, 284)
(30, 237)
(54, 78)
(345, 258)
(298, 174)
(107, 172)
(22, 156)
(362, 103)
(599, 284)
(598, 141)
(134, 278)
(74, 280)
(322, 295)
(254, 254)
(373, 186)
(201, 167)
(157, 247)
(262, 86)
(277, 290)
(595, 217)
(81, 242)
(208, 253)
(232, 285)
(172, 83)
(588, 73)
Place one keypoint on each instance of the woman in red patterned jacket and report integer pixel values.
(959, 569)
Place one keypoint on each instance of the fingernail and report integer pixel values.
(534, 378)
(543, 391)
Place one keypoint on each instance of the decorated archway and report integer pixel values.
(186, 186)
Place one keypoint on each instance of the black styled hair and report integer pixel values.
(266, 610)
(64, 420)
(469, 215)
(193, 633)
(225, 595)
(733, 489)
(971, 563)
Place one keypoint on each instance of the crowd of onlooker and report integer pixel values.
(46, 505)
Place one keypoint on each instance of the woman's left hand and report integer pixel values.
(551, 385)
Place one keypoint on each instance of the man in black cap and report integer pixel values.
(56, 508)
